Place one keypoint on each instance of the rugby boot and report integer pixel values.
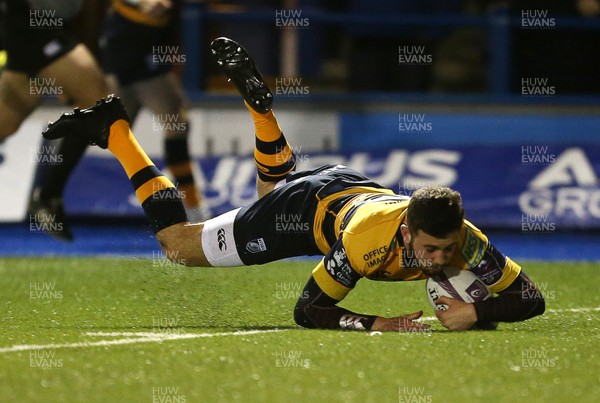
(92, 123)
(239, 67)
(48, 215)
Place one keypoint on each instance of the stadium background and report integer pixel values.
(500, 103)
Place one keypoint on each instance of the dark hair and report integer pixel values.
(436, 210)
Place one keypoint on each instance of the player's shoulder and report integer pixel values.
(468, 230)
(374, 210)
(376, 219)
(369, 233)
(472, 244)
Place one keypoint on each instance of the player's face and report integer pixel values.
(431, 253)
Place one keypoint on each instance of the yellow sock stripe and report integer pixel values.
(274, 160)
(152, 186)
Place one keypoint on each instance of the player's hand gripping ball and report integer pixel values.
(458, 284)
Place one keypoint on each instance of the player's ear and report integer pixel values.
(405, 234)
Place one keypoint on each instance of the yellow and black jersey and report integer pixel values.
(353, 221)
(368, 245)
(3, 58)
(34, 37)
(130, 10)
(138, 47)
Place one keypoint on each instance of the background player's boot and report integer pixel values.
(241, 70)
(49, 215)
(92, 123)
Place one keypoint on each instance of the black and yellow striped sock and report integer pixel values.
(157, 195)
(179, 162)
(273, 155)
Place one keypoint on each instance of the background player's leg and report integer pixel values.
(16, 103)
(164, 96)
(82, 82)
(78, 74)
(127, 95)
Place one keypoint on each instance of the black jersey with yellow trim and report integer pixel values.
(3, 54)
(3, 59)
(368, 245)
(130, 9)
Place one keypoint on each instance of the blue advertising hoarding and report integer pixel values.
(525, 187)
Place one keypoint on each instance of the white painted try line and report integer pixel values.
(154, 337)
(142, 337)
(576, 310)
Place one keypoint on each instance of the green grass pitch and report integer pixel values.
(134, 330)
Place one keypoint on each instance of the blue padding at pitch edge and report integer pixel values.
(361, 132)
(135, 240)
(130, 240)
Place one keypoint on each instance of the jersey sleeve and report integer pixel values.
(334, 274)
(496, 270)
(316, 310)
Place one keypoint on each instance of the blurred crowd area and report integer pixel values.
(365, 56)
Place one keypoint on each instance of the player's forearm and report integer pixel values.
(520, 301)
(316, 310)
(331, 317)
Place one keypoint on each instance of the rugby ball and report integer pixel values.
(458, 284)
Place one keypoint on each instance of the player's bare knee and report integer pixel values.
(180, 254)
(181, 244)
(263, 187)
(173, 252)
